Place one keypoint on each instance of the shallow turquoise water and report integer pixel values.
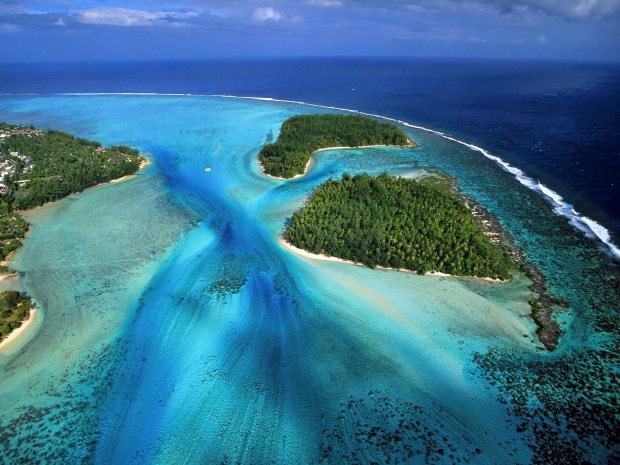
(177, 329)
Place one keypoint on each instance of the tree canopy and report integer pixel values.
(47, 165)
(59, 164)
(396, 223)
(301, 135)
(14, 308)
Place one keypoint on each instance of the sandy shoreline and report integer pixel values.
(7, 260)
(410, 146)
(6, 275)
(25, 323)
(13, 335)
(129, 176)
(287, 179)
(328, 258)
(122, 178)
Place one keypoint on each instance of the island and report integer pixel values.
(397, 223)
(302, 135)
(39, 166)
(425, 226)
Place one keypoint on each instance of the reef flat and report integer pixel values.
(175, 327)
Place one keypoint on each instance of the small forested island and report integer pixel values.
(301, 135)
(396, 223)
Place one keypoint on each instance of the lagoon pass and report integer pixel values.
(174, 327)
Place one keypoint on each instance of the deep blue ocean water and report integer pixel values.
(558, 122)
(175, 327)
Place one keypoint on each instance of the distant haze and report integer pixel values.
(580, 30)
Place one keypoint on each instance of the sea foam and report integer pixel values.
(591, 228)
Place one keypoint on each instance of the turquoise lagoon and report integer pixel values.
(175, 328)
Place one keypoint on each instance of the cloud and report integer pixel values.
(421, 9)
(476, 39)
(9, 8)
(219, 13)
(568, 9)
(266, 14)
(542, 39)
(575, 9)
(128, 17)
(324, 3)
(7, 27)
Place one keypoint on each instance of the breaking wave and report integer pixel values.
(591, 228)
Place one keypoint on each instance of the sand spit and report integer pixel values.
(412, 145)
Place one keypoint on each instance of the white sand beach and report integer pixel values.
(12, 337)
(328, 258)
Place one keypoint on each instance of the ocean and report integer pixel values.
(558, 122)
(175, 328)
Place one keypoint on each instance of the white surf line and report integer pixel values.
(588, 226)
(591, 228)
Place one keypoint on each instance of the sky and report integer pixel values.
(150, 30)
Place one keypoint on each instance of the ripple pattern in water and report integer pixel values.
(177, 329)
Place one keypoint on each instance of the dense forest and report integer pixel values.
(397, 223)
(301, 135)
(14, 308)
(47, 165)
(57, 164)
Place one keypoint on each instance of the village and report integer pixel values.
(8, 164)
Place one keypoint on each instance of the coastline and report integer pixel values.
(13, 335)
(6, 275)
(328, 258)
(549, 332)
(294, 177)
(143, 164)
(598, 230)
(7, 260)
(411, 145)
(541, 306)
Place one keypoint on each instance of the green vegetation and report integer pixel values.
(6, 270)
(57, 164)
(8, 247)
(12, 228)
(301, 135)
(14, 308)
(438, 180)
(396, 223)
(537, 316)
(45, 165)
